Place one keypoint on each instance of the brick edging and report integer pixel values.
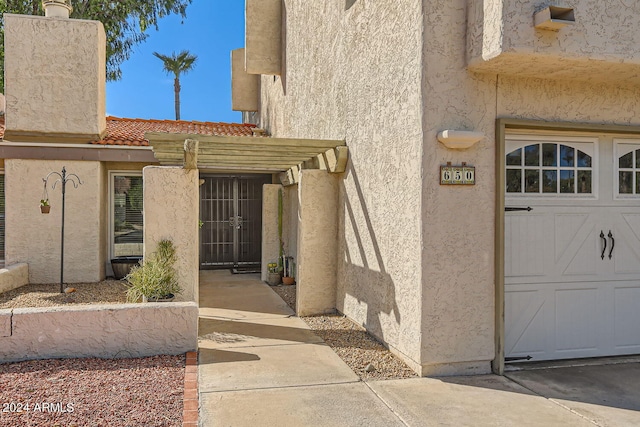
(190, 402)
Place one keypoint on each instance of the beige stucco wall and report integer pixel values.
(34, 238)
(55, 75)
(263, 36)
(119, 330)
(602, 44)
(270, 237)
(245, 87)
(356, 74)
(290, 221)
(171, 211)
(457, 221)
(316, 268)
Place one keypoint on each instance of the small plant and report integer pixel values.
(44, 206)
(272, 267)
(155, 278)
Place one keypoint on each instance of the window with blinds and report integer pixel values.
(126, 208)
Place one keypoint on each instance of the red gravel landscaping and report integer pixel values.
(93, 392)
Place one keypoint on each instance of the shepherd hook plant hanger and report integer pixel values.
(63, 178)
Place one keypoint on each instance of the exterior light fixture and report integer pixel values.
(459, 139)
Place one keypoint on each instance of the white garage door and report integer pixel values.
(572, 262)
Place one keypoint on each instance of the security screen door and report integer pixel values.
(572, 262)
(231, 215)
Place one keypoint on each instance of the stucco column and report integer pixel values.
(316, 259)
(171, 210)
(270, 238)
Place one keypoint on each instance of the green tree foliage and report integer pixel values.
(125, 23)
(176, 64)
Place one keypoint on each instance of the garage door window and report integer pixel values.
(628, 165)
(550, 168)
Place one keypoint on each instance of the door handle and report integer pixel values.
(604, 241)
(613, 244)
(235, 221)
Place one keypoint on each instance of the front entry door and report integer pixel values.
(231, 215)
(572, 262)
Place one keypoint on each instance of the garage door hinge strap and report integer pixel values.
(512, 209)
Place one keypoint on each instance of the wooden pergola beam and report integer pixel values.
(238, 141)
(287, 155)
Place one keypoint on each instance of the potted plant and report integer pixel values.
(274, 275)
(45, 208)
(155, 279)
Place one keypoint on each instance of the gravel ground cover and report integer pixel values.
(366, 356)
(48, 295)
(93, 392)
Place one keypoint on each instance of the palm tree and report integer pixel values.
(177, 64)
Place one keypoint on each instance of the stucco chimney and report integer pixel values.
(57, 8)
(55, 78)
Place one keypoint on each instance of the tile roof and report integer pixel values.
(121, 131)
(1, 127)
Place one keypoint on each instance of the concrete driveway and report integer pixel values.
(260, 366)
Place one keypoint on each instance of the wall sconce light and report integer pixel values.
(459, 139)
(553, 18)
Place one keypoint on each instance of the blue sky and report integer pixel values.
(211, 30)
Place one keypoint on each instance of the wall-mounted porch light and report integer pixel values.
(553, 18)
(459, 139)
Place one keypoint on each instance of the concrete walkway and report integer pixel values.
(261, 366)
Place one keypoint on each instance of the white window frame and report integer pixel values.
(112, 175)
(617, 144)
(515, 141)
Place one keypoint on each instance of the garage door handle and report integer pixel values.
(604, 241)
(613, 244)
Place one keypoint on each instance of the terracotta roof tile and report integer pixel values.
(121, 131)
(130, 132)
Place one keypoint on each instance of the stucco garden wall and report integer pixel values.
(355, 74)
(13, 276)
(119, 330)
(171, 211)
(34, 238)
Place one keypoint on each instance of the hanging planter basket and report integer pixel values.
(44, 202)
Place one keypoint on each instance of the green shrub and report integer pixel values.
(155, 277)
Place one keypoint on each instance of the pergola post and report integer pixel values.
(317, 254)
